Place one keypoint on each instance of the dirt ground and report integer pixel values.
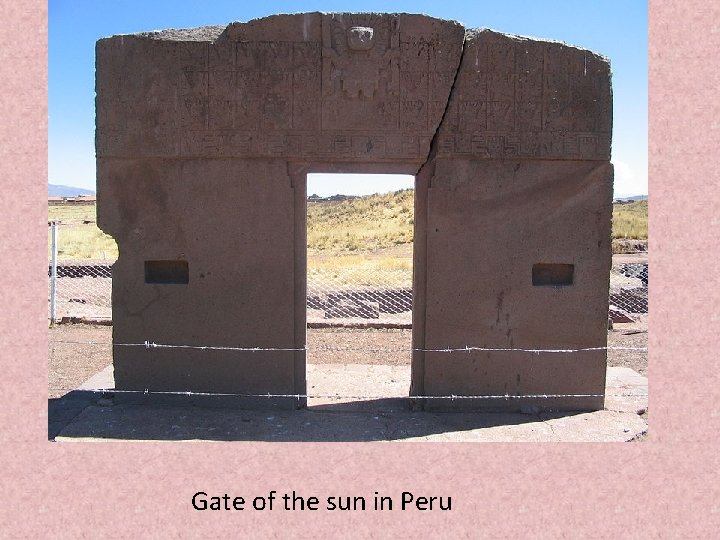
(630, 335)
(78, 351)
(70, 364)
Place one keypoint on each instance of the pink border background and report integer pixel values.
(665, 486)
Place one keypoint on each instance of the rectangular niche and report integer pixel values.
(552, 275)
(167, 272)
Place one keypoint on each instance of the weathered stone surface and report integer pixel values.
(520, 98)
(202, 33)
(204, 140)
(239, 244)
(488, 223)
(290, 86)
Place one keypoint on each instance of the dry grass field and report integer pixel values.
(362, 224)
(360, 235)
(630, 220)
(78, 234)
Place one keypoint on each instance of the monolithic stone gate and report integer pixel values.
(204, 140)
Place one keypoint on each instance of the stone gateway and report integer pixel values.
(205, 138)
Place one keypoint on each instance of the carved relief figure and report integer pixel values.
(360, 72)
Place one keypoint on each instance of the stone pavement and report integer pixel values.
(360, 403)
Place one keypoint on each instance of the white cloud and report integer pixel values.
(627, 182)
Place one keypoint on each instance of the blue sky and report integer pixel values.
(614, 28)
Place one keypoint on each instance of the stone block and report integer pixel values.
(204, 138)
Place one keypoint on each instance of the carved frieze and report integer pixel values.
(516, 97)
(360, 71)
(336, 86)
(351, 87)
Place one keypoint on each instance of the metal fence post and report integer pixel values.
(53, 271)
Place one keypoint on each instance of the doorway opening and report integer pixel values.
(360, 232)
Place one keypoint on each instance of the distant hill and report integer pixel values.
(332, 198)
(367, 223)
(373, 222)
(67, 191)
(632, 198)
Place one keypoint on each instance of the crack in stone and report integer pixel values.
(546, 421)
(432, 151)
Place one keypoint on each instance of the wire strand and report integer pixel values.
(467, 348)
(353, 397)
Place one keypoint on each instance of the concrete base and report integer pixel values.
(375, 412)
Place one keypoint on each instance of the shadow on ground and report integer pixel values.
(88, 415)
(63, 410)
(93, 414)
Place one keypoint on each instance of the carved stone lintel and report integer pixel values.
(346, 77)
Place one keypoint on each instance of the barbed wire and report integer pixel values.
(467, 348)
(191, 393)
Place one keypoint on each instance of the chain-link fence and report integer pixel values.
(347, 297)
(79, 287)
(365, 295)
(628, 290)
